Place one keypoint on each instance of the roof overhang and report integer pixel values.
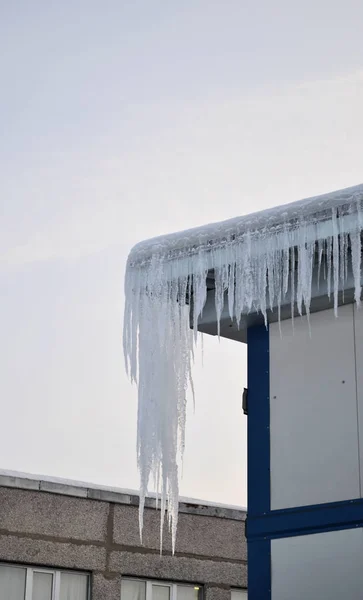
(284, 225)
(230, 329)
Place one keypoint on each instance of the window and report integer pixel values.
(135, 589)
(238, 594)
(31, 583)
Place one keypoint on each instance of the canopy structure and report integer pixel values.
(221, 279)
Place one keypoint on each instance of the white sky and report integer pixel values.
(124, 120)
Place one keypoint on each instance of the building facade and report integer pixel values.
(69, 541)
(305, 457)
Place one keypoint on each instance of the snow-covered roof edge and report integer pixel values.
(18, 479)
(188, 241)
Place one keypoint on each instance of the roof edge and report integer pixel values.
(77, 489)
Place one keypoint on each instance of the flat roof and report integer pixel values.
(81, 489)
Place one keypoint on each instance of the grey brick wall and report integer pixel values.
(49, 523)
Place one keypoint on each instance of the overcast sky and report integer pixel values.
(121, 121)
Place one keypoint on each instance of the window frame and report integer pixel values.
(243, 590)
(29, 574)
(172, 585)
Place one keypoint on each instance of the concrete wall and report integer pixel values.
(48, 523)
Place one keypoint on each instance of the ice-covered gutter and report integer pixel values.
(256, 260)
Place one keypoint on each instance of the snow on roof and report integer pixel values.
(256, 263)
(190, 240)
(18, 476)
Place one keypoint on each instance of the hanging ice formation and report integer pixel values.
(258, 261)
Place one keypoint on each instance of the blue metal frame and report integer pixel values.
(258, 453)
(258, 421)
(262, 524)
(304, 520)
(259, 570)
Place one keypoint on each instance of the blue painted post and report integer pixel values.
(258, 451)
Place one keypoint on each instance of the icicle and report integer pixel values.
(221, 285)
(345, 252)
(320, 256)
(356, 249)
(329, 257)
(199, 296)
(286, 261)
(292, 286)
(231, 289)
(335, 260)
(257, 261)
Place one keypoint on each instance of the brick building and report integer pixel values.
(62, 540)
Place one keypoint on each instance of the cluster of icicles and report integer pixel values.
(259, 263)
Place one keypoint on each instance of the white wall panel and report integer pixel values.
(358, 324)
(320, 566)
(313, 411)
